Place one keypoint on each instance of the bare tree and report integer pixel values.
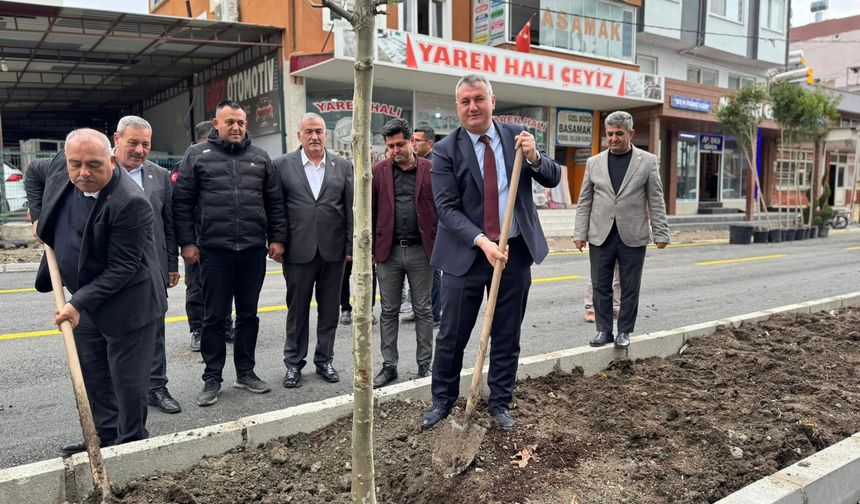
(362, 17)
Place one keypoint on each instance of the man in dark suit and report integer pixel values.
(423, 139)
(99, 224)
(471, 169)
(132, 143)
(404, 228)
(34, 184)
(317, 188)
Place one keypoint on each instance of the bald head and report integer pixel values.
(89, 159)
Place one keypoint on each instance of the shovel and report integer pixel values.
(458, 443)
(91, 438)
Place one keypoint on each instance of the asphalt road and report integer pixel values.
(682, 285)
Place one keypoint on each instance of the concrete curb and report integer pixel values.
(829, 475)
(19, 267)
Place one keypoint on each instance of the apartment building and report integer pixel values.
(705, 49)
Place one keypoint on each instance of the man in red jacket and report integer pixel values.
(404, 226)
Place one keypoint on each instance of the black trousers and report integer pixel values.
(323, 279)
(630, 262)
(462, 297)
(436, 295)
(345, 305)
(194, 299)
(116, 373)
(158, 370)
(228, 275)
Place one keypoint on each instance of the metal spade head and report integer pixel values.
(457, 446)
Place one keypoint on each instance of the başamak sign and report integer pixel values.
(574, 128)
(257, 88)
(418, 52)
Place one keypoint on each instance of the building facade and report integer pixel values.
(705, 49)
(582, 64)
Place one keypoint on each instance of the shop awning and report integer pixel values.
(431, 65)
(68, 67)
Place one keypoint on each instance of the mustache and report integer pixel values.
(87, 180)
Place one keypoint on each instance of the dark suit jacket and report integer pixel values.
(458, 187)
(323, 224)
(383, 208)
(121, 286)
(157, 187)
(34, 182)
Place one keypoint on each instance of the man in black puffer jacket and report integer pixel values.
(235, 188)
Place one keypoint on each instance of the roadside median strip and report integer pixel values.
(827, 476)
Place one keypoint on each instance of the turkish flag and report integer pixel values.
(524, 37)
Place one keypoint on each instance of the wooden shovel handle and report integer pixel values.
(91, 438)
(475, 387)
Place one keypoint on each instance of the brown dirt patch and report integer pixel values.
(33, 253)
(733, 408)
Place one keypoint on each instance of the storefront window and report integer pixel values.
(794, 168)
(534, 119)
(688, 166)
(335, 107)
(735, 170)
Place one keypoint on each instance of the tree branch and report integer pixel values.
(380, 3)
(337, 9)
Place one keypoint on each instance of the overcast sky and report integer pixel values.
(135, 6)
(800, 14)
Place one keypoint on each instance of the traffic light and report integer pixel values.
(809, 79)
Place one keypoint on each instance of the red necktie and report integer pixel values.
(491, 192)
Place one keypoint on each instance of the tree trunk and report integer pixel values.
(363, 485)
(751, 180)
(816, 178)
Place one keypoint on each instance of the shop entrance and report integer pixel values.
(838, 163)
(709, 176)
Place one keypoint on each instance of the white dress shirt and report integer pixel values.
(314, 173)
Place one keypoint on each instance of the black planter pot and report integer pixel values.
(760, 235)
(800, 234)
(824, 231)
(788, 234)
(813, 232)
(774, 236)
(740, 234)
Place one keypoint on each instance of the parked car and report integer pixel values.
(13, 184)
(265, 113)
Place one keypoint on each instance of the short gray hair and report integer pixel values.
(81, 134)
(309, 116)
(134, 122)
(620, 119)
(472, 80)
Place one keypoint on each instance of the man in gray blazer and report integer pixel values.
(621, 193)
(317, 189)
(132, 143)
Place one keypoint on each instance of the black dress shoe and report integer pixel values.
(622, 340)
(328, 373)
(423, 370)
(293, 378)
(162, 400)
(504, 418)
(433, 416)
(601, 339)
(386, 376)
(72, 448)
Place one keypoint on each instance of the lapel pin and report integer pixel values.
(107, 197)
(150, 177)
(638, 158)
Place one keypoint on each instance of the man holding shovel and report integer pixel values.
(100, 226)
(470, 175)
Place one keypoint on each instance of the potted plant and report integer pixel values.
(822, 212)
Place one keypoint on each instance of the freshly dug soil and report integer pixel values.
(732, 408)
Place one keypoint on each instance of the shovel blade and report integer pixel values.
(456, 447)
